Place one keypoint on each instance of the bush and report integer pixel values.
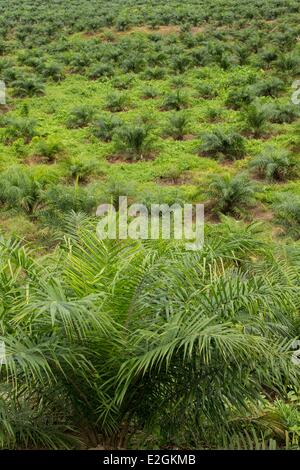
(122, 83)
(220, 144)
(213, 114)
(154, 73)
(133, 63)
(275, 165)
(122, 24)
(268, 87)
(288, 62)
(239, 97)
(180, 62)
(53, 70)
(177, 82)
(231, 194)
(117, 187)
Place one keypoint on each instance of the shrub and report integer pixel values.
(288, 62)
(268, 55)
(117, 187)
(154, 73)
(178, 82)
(79, 61)
(275, 165)
(213, 114)
(53, 70)
(268, 87)
(231, 194)
(220, 144)
(122, 24)
(239, 97)
(180, 62)
(122, 83)
(133, 63)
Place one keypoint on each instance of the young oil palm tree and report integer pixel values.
(175, 101)
(287, 214)
(178, 126)
(255, 117)
(105, 127)
(135, 141)
(220, 144)
(116, 102)
(49, 149)
(28, 86)
(106, 334)
(231, 194)
(275, 165)
(19, 189)
(80, 116)
(19, 128)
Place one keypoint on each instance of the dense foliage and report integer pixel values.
(141, 345)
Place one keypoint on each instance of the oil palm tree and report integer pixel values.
(135, 141)
(231, 194)
(107, 333)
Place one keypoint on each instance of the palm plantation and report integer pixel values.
(143, 344)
